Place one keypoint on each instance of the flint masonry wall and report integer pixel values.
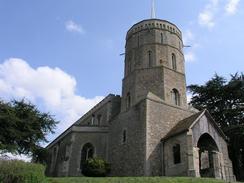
(161, 117)
(142, 81)
(128, 159)
(170, 168)
(105, 111)
(58, 157)
(149, 48)
(65, 151)
(174, 79)
(98, 138)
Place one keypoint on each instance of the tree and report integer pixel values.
(23, 127)
(225, 102)
(40, 155)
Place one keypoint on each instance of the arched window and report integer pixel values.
(93, 120)
(174, 66)
(124, 139)
(162, 38)
(129, 66)
(99, 117)
(176, 153)
(176, 97)
(86, 153)
(128, 100)
(150, 58)
(138, 40)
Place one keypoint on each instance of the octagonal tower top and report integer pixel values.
(149, 24)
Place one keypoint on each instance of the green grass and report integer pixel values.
(133, 180)
(14, 171)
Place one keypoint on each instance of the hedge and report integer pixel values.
(96, 167)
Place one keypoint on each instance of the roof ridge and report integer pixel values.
(184, 124)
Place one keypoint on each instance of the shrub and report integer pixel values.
(95, 167)
(14, 171)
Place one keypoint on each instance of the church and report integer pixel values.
(149, 130)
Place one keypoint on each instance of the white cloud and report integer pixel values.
(231, 6)
(71, 26)
(188, 96)
(206, 17)
(190, 56)
(50, 88)
(188, 37)
(189, 40)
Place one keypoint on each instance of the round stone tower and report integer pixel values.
(154, 62)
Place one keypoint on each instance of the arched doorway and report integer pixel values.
(86, 153)
(207, 156)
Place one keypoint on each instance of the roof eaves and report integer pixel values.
(173, 135)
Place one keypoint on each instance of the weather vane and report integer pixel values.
(153, 11)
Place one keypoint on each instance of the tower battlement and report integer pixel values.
(154, 24)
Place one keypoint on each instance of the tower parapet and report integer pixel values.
(155, 24)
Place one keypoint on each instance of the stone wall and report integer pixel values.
(65, 155)
(88, 129)
(148, 62)
(98, 139)
(58, 157)
(128, 158)
(105, 111)
(161, 117)
(169, 167)
(174, 80)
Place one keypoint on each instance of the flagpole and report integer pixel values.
(153, 11)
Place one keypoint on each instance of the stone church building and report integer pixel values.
(150, 130)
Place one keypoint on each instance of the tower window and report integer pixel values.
(128, 100)
(176, 97)
(124, 138)
(174, 65)
(162, 38)
(129, 66)
(150, 58)
(176, 153)
(138, 40)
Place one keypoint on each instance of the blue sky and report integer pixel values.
(64, 56)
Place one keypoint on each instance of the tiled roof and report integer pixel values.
(183, 125)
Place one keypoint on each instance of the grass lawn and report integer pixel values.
(133, 180)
